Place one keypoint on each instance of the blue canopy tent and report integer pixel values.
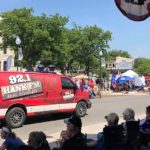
(121, 80)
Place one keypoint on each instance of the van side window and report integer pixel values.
(67, 84)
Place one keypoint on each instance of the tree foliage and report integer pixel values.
(141, 66)
(39, 34)
(92, 40)
(47, 39)
(111, 55)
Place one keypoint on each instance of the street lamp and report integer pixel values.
(100, 54)
(18, 42)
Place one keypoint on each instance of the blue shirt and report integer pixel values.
(85, 87)
(12, 143)
(145, 125)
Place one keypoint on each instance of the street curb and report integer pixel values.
(105, 94)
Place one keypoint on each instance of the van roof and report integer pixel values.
(39, 73)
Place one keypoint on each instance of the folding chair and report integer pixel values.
(114, 138)
(132, 135)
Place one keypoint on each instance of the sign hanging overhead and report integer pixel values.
(137, 10)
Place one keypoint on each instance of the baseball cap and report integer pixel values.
(75, 120)
(112, 117)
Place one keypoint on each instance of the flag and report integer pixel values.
(8, 62)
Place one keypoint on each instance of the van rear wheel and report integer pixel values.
(81, 109)
(15, 117)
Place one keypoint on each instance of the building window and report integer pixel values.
(4, 66)
(5, 51)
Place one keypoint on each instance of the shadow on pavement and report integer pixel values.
(42, 118)
(47, 118)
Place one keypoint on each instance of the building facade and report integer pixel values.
(6, 59)
(121, 63)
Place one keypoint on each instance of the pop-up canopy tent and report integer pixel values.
(127, 76)
(138, 81)
(122, 79)
(130, 73)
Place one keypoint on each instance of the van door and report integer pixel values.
(53, 93)
(68, 94)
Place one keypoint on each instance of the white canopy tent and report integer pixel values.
(138, 81)
(130, 73)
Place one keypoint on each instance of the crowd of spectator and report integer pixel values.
(93, 85)
(132, 134)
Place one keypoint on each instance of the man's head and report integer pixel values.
(112, 119)
(128, 114)
(74, 124)
(36, 138)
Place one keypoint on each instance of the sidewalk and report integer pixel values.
(111, 93)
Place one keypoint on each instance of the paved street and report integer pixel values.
(92, 122)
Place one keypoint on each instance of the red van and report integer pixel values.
(26, 94)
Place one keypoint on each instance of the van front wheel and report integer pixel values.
(15, 117)
(81, 109)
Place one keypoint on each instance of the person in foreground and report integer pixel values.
(145, 123)
(112, 120)
(37, 140)
(128, 116)
(11, 141)
(145, 128)
(73, 138)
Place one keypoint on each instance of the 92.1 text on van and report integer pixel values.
(19, 78)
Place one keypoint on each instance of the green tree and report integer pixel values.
(141, 66)
(111, 55)
(92, 40)
(47, 39)
(68, 46)
(40, 35)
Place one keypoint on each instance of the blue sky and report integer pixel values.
(127, 35)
